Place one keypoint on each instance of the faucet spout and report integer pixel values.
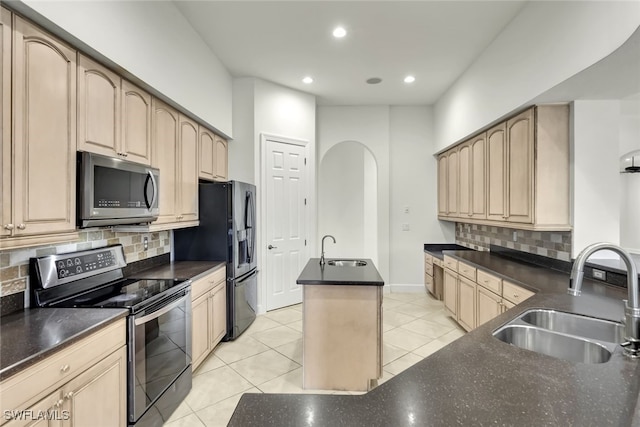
(322, 249)
(632, 303)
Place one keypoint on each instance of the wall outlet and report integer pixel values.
(145, 242)
(515, 236)
(599, 274)
(405, 226)
(406, 209)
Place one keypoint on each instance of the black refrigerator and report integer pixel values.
(227, 232)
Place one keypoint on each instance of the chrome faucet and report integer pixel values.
(631, 304)
(322, 251)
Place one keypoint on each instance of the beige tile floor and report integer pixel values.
(267, 358)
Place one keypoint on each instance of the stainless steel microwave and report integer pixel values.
(114, 191)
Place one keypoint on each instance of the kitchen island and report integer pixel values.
(342, 326)
(478, 380)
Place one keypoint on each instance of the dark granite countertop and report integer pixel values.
(180, 270)
(315, 274)
(479, 380)
(30, 335)
(436, 249)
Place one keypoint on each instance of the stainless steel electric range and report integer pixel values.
(158, 324)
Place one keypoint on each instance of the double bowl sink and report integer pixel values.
(567, 336)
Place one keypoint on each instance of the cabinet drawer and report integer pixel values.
(27, 387)
(515, 293)
(450, 263)
(490, 282)
(206, 283)
(428, 283)
(438, 262)
(428, 259)
(467, 271)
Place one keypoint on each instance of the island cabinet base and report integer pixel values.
(342, 338)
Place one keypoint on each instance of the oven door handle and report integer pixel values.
(144, 319)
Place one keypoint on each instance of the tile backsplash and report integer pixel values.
(14, 264)
(552, 244)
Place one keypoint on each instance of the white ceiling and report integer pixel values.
(283, 41)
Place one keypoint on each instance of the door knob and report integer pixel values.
(272, 247)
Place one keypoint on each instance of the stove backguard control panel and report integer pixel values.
(56, 270)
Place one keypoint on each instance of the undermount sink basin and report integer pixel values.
(575, 324)
(567, 336)
(347, 262)
(565, 347)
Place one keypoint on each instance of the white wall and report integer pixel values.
(401, 139)
(596, 176)
(154, 42)
(630, 182)
(542, 46)
(267, 108)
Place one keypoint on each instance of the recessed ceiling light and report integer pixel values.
(307, 80)
(409, 79)
(339, 32)
(374, 80)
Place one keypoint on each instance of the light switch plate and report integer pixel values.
(405, 226)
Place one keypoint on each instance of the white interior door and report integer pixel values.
(285, 219)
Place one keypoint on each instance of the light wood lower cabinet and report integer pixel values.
(450, 292)
(209, 314)
(466, 313)
(489, 305)
(81, 385)
(428, 274)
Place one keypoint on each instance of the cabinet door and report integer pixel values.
(488, 305)
(506, 305)
(452, 183)
(200, 334)
(496, 147)
(44, 114)
(97, 397)
(442, 184)
(5, 122)
(136, 124)
(206, 157)
(51, 405)
(219, 315)
(450, 285)
(520, 168)
(466, 314)
(98, 108)
(221, 159)
(464, 185)
(165, 150)
(188, 170)
(478, 180)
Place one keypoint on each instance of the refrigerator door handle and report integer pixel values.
(239, 283)
(249, 225)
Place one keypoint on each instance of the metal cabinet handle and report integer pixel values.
(8, 227)
(59, 403)
(272, 247)
(21, 227)
(65, 369)
(69, 395)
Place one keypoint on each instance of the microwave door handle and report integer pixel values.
(155, 189)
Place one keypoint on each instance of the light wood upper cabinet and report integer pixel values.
(136, 123)
(114, 116)
(478, 181)
(221, 159)
(496, 176)
(165, 152)
(452, 182)
(5, 121)
(44, 119)
(207, 169)
(98, 108)
(518, 173)
(464, 178)
(442, 184)
(519, 164)
(187, 195)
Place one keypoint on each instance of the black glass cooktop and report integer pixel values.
(128, 293)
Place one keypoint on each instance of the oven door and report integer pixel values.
(159, 350)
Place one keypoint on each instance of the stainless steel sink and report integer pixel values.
(575, 324)
(565, 347)
(347, 262)
(567, 336)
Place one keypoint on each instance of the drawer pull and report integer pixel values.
(69, 395)
(65, 369)
(59, 403)
(515, 295)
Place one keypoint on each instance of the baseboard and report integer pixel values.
(410, 288)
